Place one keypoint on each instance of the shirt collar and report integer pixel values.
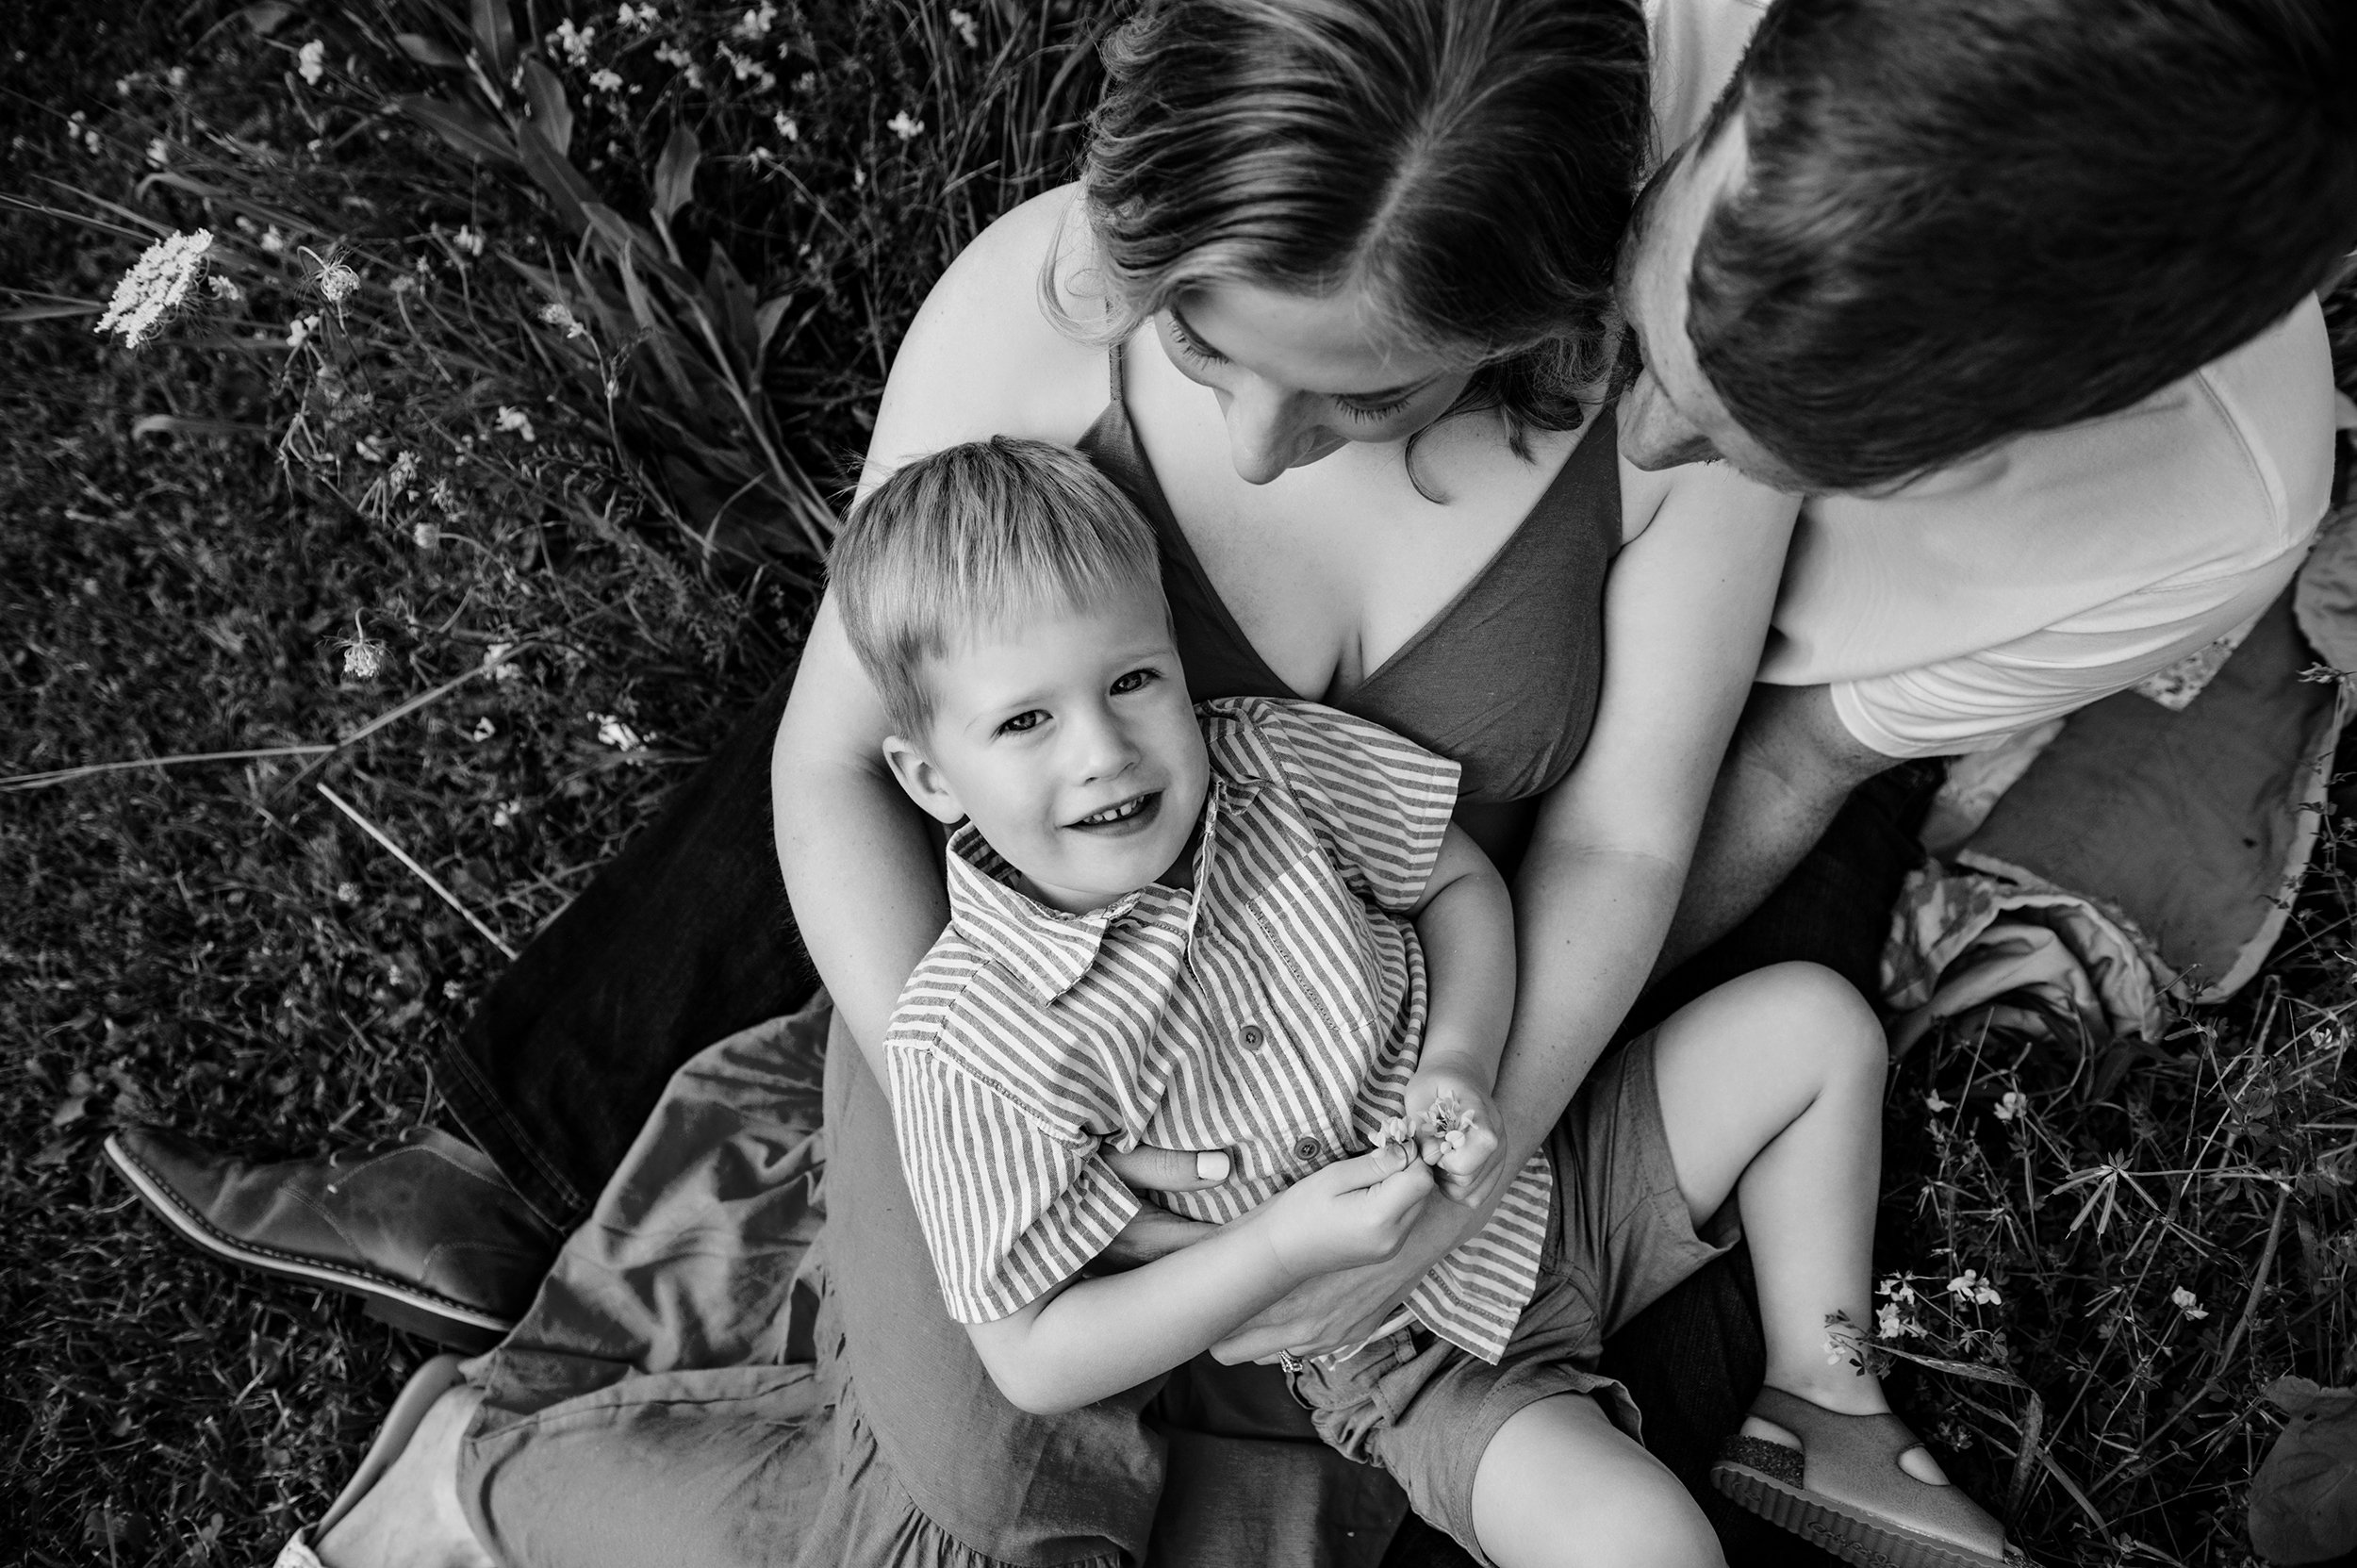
(1048, 950)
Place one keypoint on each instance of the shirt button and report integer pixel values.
(1308, 1148)
(1253, 1036)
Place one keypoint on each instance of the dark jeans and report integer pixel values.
(686, 937)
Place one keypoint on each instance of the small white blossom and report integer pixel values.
(905, 126)
(495, 658)
(444, 497)
(299, 330)
(506, 811)
(223, 289)
(963, 22)
(158, 152)
(557, 314)
(786, 126)
(363, 658)
(605, 81)
(157, 284)
(745, 68)
(1969, 1286)
(2014, 1104)
(426, 534)
(336, 282)
(2187, 1303)
(641, 17)
(347, 893)
(311, 59)
(177, 76)
(273, 241)
(483, 729)
(613, 732)
(517, 421)
(573, 41)
(468, 240)
(401, 478)
(1935, 1104)
(755, 23)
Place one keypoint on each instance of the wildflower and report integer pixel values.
(904, 126)
(363, 656)
(613, 732)
(223, 289)
(311, 60)
(1935, 1104)
(1969, 1286)
(336, 282)
(2187, 1303)
(426, 535)
(749, 68)
(347, 893)
(401, 477)
(402, 284)
(158, 152)
(755, 23)
(963, 22)
(299, 330)
(640, 17)
(483, 729)
(605, 81)
(786, 126)
(93, 141)
(468, 240)
(496, 659)
(573, 41)
(557, 314)
(445, 498)
(2014, 1104)
(672, 54)
(517, 421)
(177, 76)
(156, 283)
(506, 812)
(273, 241)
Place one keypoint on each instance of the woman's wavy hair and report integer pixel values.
(1470, 164)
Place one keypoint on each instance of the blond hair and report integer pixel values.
(973, 537)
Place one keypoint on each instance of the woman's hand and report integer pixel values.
(1154, 1232)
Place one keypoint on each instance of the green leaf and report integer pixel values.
(51, 312)
(2304, 1501)
(495, 36)
(566, 187)
(174, 425)
(463, 126)
(675, 173)
(426, 51)
(732, 299)
(549, 109)
(765, 321)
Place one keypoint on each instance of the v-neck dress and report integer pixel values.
(1504, 680)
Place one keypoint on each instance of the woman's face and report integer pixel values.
(1298, 375)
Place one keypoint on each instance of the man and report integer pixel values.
(2019, 295)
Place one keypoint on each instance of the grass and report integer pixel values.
(200, 532)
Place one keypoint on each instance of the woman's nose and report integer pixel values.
(1264, 431)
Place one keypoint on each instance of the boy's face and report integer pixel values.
(1068, 737)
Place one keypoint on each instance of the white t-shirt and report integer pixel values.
(2065, 565)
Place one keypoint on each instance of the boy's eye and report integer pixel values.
(1134, 680)
(1030, 719)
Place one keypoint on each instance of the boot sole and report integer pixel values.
(1851, 1537)
(388, 1300)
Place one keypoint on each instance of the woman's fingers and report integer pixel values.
(1171, 1170)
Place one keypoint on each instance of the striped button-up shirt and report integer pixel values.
(1275, 1011)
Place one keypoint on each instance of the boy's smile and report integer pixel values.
(1068, 735)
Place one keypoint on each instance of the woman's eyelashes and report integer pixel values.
(1192, 346)
(1375, 412)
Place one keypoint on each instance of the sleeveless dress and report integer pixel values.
(712, 1375)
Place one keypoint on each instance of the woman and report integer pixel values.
(1346, 271)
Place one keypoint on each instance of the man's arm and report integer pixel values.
(1791, 765)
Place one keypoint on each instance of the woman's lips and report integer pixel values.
(1133, 814)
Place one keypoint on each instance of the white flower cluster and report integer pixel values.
(755, 23)
(574, 41)
(559, 315)
(311, 60)
(613, 732)
(517, 421)
(1969, 1286)
(1891, 1319)
(967, 33)
(2187, 1303)
(905, 125)
(636, 16)
(155, 285)
(2012, 1106)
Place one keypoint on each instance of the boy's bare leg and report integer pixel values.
(1772, 1094)
(1561, 1486)
(411, 1518)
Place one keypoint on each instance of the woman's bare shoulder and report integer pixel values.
(984, 357)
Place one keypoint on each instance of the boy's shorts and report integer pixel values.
(1425, 1410)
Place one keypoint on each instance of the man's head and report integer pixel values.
(1915, 228)
(1006, 602)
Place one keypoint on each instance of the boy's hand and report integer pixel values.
(1456, 1131)
(1349, 1213)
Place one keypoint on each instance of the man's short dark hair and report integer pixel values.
(1964, 220)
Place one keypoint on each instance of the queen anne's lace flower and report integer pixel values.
(155, 286)
(363, 658)
(336, 282)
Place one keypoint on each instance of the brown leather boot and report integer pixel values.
(423, 1229)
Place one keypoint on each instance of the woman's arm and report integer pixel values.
(981, 359)
(1685, 615)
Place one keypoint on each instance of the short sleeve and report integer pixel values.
(1011, 1205)
(1378, 802)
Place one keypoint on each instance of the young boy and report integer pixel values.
(1253, 927)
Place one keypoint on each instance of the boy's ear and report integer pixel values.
(924, 782)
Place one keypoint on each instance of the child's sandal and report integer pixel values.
(425, 1385)
(1845, 1490)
